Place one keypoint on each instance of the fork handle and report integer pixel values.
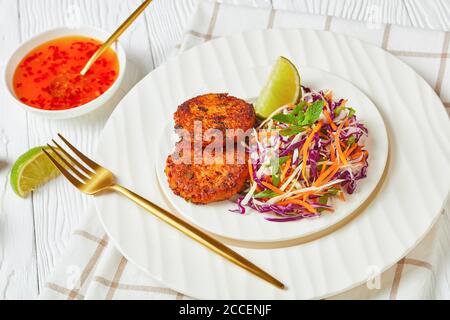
(198, 235)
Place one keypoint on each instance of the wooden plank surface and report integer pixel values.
(18, 273)
(57, 208)
(34, 231)
(434, 14)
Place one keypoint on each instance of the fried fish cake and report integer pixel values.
(212, 179)
(215, 111)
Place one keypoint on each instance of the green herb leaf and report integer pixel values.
(285, 118)
(323, 200)
(351, 140)
(275, 164)
(313, 113)
(293, 130)
(275, 180)
(265, 194)
(300, 118)
(298, 112)
(338, 110)
(351, 112)
(319, 167)
(298, 108)
(333, 191)
(282, 160)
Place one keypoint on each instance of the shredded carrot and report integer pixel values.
(346, 149)
(306, 195)
(338, 144)
(357, 154)
(250, 169)
(299, 202)
(305, 149)
(330, 176)
(350, 150)
(272, 187)
(285, 169)
(342, 196)
(324, 166)
(332, 152)
(330, 121)
(323, 175)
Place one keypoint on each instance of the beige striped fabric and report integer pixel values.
(92, 268)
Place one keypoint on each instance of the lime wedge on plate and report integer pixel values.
(282, 87)
(31, 170)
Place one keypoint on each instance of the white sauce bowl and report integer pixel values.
(52, 34)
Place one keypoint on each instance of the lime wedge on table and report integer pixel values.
(31, 170)
(282, 87)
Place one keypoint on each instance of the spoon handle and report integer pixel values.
(114, 36)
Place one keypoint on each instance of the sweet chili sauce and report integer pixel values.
(49, 75)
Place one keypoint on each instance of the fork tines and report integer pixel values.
(76, 172)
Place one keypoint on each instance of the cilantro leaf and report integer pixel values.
(285, 118)
(323, 200)
(296, 116)
(338, 110)
(333, 191)
(293, 130)
(275, 180)
(313, 112)
(300, 118)
(351, 140)
(298, 108)
(283, 159)
(275, 164)
(266, 194)
(351, 112)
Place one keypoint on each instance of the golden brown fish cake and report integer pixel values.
(206, 182)
(215, 111)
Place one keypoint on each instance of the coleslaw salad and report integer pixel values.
(304, 157)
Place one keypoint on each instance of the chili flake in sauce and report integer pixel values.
(49, 76)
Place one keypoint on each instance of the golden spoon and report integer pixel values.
(114, 36)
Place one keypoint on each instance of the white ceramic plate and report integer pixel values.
(216, 217)
(409, 202)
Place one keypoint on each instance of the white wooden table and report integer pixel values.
(34, 231)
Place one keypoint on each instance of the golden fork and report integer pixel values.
(114, 36)
(91, 178)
